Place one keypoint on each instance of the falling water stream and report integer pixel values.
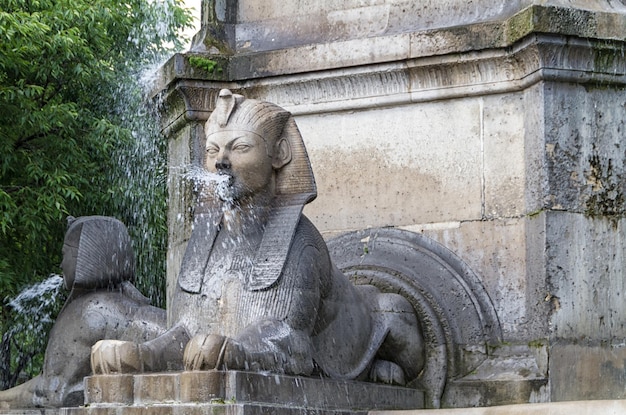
(141, 180)
(35, 310)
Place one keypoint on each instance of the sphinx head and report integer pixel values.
(97, 253)
(258, 148)
(250, 144)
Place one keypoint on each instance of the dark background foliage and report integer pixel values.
(77, 137)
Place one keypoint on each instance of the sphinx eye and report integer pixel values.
(212, 150)
(242, 147)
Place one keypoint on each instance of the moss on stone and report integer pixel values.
(520, 25)
(550, 19)
(537, 343)
(206, 64)
(605, 57)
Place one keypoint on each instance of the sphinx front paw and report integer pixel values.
(204, 352)
(115, 356)
(213, 351)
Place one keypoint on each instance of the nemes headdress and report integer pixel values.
(105, 253)
(233, 112)
(295, 187)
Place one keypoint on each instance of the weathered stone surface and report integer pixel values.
(504, 155)
(585, 276)
(183, 155)
(587, 371)
(246, 27)
(486, 392)
(519, 113)
(583, 143)
(298, 52)
(606, 407)
(155, 388)
(508, 252)
(199, 386)
(240, 393)
(115, 389)
(249, 27)
(394, 177)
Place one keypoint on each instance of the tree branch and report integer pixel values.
(21, 143)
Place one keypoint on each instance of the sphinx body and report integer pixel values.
(257, 289)
(120, 312)
(310, 320)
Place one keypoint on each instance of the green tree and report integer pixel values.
(68, 84)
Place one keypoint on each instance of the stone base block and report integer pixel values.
(232, 392)
(606, 407)
(118, 389)
(471, 393)
(587, 372)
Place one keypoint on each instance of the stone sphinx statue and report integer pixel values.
(98, 267)
(257, 289)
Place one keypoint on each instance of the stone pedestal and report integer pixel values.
(217, 392)
(496, 130)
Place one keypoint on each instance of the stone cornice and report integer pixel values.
(534, 58)
(535, 19)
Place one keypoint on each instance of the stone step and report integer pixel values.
(233, 392)
(600, 407)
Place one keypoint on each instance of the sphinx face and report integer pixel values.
(243, 158)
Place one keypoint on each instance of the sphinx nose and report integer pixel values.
(222, 163)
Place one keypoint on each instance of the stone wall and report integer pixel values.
(495, 130)
(250, 26)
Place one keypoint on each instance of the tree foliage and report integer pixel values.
(68, 79)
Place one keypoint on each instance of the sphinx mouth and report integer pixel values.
(224, 186)
(226, 178)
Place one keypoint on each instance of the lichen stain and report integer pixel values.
(605, 186)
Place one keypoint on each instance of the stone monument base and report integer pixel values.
(233, 392)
